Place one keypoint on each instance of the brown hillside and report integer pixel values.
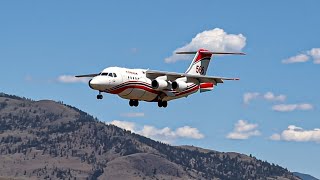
(50, 140)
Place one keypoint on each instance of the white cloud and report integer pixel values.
(247, 97)
(137, 114)
(167, 134)
(292, 107)
(124, 124)
(315, 54)
(244, 130)
(189, 132)
(269, 96)
(72, 79)
(162, 134)
(215, 40)
(300, 58)
(294, 133)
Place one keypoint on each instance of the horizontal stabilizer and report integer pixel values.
(209, 52)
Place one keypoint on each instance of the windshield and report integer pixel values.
(108, 74)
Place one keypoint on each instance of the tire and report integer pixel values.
(164, 104)
(131, 103)
(159, 103)
(136, 103)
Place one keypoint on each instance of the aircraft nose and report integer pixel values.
(96, 84)
(90, 84)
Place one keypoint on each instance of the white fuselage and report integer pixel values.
(133, 84)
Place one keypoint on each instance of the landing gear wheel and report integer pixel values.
(164, 104)
(131, 103)
(99, 96)
(136, 103)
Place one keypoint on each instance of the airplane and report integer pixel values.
(157, 86)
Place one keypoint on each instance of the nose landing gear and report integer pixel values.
(99, 96)
(134, 102)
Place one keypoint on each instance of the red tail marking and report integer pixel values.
(202, 55)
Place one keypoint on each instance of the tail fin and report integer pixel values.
(201, 61)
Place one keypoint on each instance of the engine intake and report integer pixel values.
(159, 84)
(179, 85)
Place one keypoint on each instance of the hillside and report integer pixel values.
(50, 140)
(304, 176)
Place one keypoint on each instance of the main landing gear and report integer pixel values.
(99, 96)
(162, 103)
(134, 102)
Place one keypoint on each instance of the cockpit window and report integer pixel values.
(108, 74)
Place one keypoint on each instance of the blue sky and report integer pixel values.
(42, 40)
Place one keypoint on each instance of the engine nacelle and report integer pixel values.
(179, 85)
(159, 84)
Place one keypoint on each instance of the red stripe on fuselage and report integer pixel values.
(133, 86)
(146, 88)
(129, 82)
(188, 91)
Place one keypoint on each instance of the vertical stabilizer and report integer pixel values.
(200, 63)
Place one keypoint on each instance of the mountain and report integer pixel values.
(49, 140)
(304, 176)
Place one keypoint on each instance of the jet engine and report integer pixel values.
(159, 84)
(179, 85)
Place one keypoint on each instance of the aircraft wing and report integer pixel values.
(173, 76)
(87, 75)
